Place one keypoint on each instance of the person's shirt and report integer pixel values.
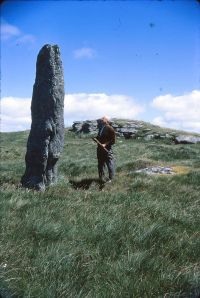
(107, 135)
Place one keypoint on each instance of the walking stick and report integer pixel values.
(94, 139)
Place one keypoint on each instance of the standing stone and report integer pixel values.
(46, 137)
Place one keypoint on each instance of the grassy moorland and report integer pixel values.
(138, 237)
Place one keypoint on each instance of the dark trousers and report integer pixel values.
(105, 159)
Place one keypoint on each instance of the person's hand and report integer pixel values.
(104, 145)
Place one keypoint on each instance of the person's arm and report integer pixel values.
(113, 137)
(101, 145)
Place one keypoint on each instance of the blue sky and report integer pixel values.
(130, 59)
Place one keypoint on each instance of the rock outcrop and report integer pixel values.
(156, 170)
(187, 139)
(46, 137)
(128, 129)
(134, 129)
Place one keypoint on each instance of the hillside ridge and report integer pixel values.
(136, 129)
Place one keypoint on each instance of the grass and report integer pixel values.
(139, 237)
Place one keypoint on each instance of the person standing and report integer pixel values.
(106, 137)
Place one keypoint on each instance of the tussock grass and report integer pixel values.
(138, 237)
(181, 169)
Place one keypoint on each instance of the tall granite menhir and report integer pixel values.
(46, 137)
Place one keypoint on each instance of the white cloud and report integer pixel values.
(16, 114)
(180, 112)
(26, 38)
(9, 31)
(81, 53)
(83, 106)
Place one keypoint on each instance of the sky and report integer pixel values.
(125, 59)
